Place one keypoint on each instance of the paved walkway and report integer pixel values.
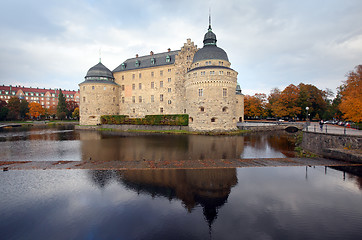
(333, 129)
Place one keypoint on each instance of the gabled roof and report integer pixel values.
(146, 61)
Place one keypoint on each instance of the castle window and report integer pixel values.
(161, 84)
(224, 92)
(113, 89)
(133, 86)
(123, 66)
(114, 99)
(168, 58)
(152, 98)
(140, 75)
(221, 63)
(140, 85)
(134, 110)
(122, 99)
(133, 76)
(92, 89)
(152, 74)
(188, 69)
(224, 109)
(207, 63)
(169, 89)
(184, 110)
(152, 85)
(169, 79)
(161, 110)
(188, 57)
(83, 90)
(83, 99)
(191, 119)
(137, 63)
(201, 92)
(202, 73)
(169, 70)
(213, 119)
(212, 72)
(104, 88)
(228, 73)
(161, 73)
(202, 109)
(140, 99)
(221, 72)
(153, 61)
(169, 101)
(161, 97)
(133, 99)
(122, 77)
(122, 87)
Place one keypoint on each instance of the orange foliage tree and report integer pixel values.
(254, 106)
(286, 104)
(351, 96)
(35, 110)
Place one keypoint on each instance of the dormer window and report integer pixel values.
(153, 61)
(123, 66)
(137, 64)
(168, 58)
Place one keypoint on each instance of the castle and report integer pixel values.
(197, 82)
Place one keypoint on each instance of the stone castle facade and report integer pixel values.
(197, 82)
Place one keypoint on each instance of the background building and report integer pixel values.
(46, 97)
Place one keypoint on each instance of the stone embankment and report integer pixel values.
(334, 145)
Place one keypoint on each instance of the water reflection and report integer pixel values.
(208, 188)
(103, 147)
(63, 143)
(247, 203)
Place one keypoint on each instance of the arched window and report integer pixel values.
(191, 119)
(202, 109)
(224, 109)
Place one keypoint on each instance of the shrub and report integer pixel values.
(171, 120)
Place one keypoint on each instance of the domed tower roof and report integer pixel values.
(99, 70)
(99, 74)
(210, 50)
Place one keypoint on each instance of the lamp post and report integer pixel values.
(306, 117)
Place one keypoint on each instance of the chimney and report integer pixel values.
(169, 49)
(136, 55)
(151, 53)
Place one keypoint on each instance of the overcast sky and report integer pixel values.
(269, 43)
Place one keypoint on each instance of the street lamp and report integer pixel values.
(306, 117)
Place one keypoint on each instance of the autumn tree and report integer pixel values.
(35, 110)
(351, 96)
(71, 106)
(3, 110)
(254, 106)
(312, 97)
(62, 106)
(273, 98)
(52, 111)
(14, 108)
(24, 108)
(75, 113)
(287, 104)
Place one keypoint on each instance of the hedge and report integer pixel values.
(170, 120)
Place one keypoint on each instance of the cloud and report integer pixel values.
(270, 43)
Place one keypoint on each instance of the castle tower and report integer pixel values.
(211, 89)
(99, 95)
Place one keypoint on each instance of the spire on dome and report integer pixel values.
(210, 29)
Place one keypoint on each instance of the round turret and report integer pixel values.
(210, 89)
(99, 95)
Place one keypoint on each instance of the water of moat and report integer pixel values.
(225, 203)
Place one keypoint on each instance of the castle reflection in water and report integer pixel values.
(209, 188)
